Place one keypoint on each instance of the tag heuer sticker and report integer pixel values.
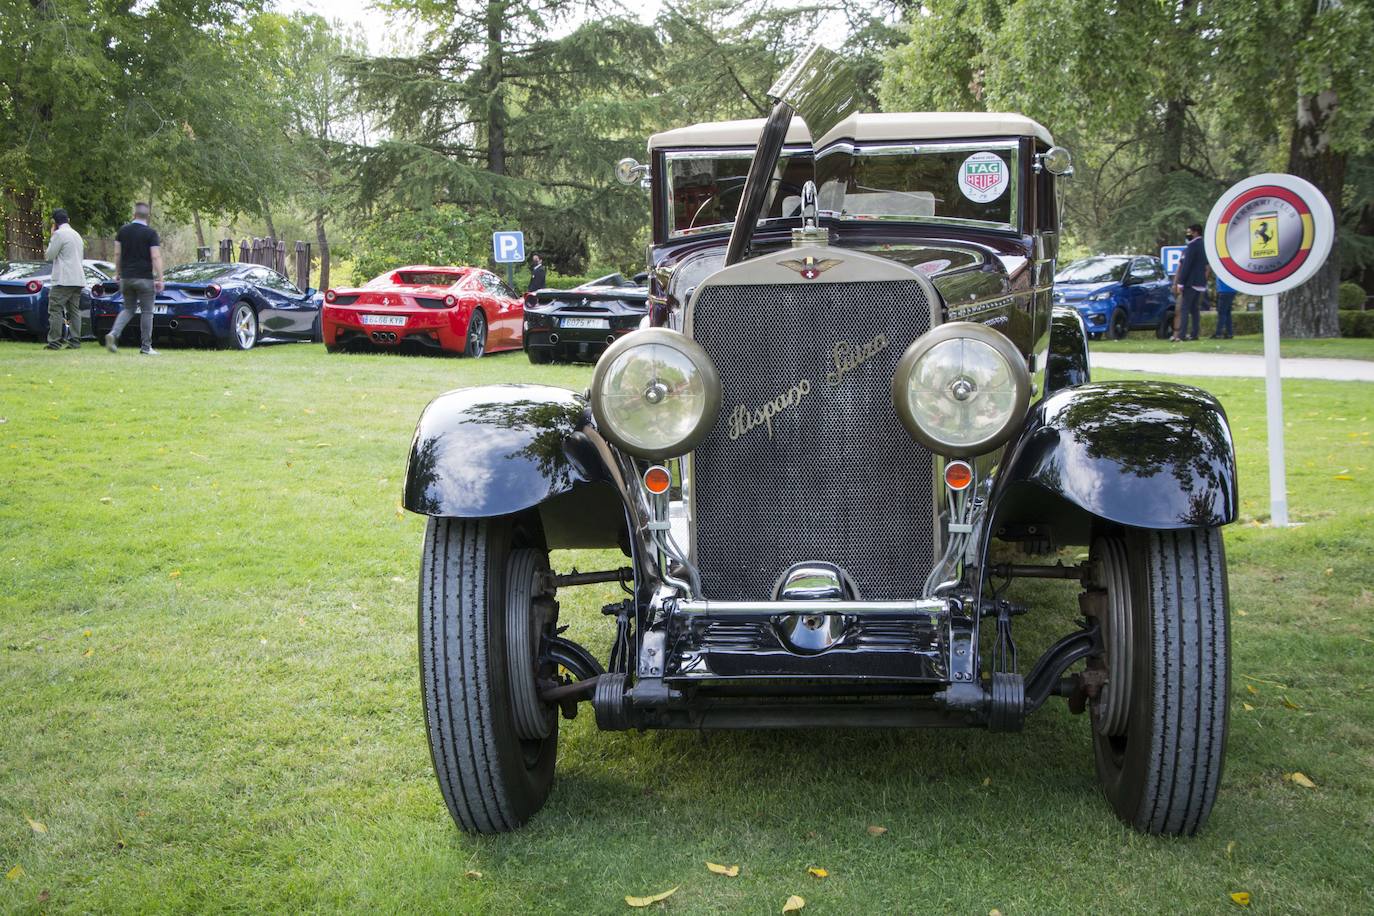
(983, 177)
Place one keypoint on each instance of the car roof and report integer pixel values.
(724, 133)
(934, 125)
(909, 125)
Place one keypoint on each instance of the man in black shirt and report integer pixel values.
(537, 273)
(138, 268)
(1191, 283)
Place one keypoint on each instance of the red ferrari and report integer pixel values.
(464, 310)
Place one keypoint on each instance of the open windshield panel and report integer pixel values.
(704, 188)
(1093, 270)
(966, 183)
(199, 272)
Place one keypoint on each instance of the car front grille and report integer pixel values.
(839, 479)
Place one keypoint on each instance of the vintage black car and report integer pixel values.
(821, 505)
(578, 324)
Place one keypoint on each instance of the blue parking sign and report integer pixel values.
(508, 247)
(1171, 255)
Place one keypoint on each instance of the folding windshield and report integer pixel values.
(965, 183)
(704, 188)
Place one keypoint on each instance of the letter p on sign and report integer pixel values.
(508, 247)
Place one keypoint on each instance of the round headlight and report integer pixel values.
(961, 389)
(655, 393)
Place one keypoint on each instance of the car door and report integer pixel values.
(276, 317)
(498, 332)
(1158, 291)
(93, 277)
(512, 312)
(1135, 289)
(297, 311)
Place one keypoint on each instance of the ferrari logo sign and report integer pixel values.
(1264, 235)
(983, 177)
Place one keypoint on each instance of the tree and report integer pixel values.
(442, 234)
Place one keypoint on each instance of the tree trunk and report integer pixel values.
(496, 105)
(1171, 153)
(1311, 309)
(200, 233)
(267, 216)
(322, 242)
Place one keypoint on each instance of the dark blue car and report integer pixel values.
(1117, 294)
(24, 298)
(231, 306)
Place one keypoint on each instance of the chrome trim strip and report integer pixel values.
(915, 607)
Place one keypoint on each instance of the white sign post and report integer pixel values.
(1266, 235)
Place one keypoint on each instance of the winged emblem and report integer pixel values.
(809, 267)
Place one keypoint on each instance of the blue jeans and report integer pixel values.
(1224, 303)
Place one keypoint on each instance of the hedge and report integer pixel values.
(1350, 296)
(1353, 322)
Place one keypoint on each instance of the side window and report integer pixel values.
(1157, 268)
(505, 291)
(1141, 269)
(92, 275)
(285, 285)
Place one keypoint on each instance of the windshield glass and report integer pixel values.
(972, 183)
(428, 277)
(197, 272)
(23, 270)
(704, 188)
(1093, 270)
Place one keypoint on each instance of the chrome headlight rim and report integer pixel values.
(699, 359)
(1017, 368)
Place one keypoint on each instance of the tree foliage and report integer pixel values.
(437, 235)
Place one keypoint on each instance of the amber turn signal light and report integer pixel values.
(657, 479)
(958, 475)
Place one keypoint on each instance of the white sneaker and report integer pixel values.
(149, 352)
(110, 343)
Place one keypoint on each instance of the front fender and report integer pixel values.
(1145, 454)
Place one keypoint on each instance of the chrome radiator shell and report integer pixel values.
(827, 473)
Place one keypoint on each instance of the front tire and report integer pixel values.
(1165, 329)
(1121, 324)
(1160, 722)
(492, 779)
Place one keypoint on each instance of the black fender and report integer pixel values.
(503, 449)
(1066, 358)
(1144, 454)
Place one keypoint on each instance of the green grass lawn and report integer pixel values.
(208, 688)
(1335, 347)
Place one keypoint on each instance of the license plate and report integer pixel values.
(162, 310)
(600, 324)
(394, 321)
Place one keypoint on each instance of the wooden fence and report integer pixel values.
(267, 252)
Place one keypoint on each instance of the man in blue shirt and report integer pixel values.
(1226, 297)
(1191, 282)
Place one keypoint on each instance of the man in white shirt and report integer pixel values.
(65, 250)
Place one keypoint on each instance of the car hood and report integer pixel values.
(1072, 292)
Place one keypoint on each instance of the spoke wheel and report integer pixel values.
(243, 326)
(477, 336)
(492, 775)
(1159, 757)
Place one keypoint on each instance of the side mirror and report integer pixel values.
(628, 171)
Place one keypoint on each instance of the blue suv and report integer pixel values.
(1116, 294)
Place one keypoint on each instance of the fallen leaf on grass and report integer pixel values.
(639, 902)
(1247, 707)
(106, 500)
(793, 904)
(1243, 613)
(994, 912)
(729, 871)
(88, 653)
(987, 780)
(1300, 779)
(472, 874)
(44, 896)
(1241, 898)
(1253, 689)
(1343, 477)
(174, 574)
(86, 633)
(14, 874)
(36, 826)
(876, 830)
(818, 872)
(1290, 704)
(1230, 848)
(157, 488)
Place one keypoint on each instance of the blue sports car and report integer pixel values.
(24, 299)
(1116, 294)
(228, 305)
